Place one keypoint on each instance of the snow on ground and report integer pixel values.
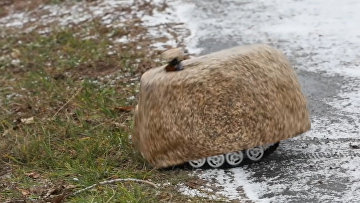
(306, 27)
(349, 98)
(186, 190)
(322, 127)
(112, 13)
(321, 37)
(160, 23)
(62, 14)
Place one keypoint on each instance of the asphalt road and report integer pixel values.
(322, 165)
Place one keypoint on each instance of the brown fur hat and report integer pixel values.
(226, 101)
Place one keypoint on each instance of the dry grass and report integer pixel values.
(60, 124)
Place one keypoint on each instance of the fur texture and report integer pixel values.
(171, 54)
(226, 101)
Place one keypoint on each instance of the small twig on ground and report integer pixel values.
(63, 106)
(125, 108)
(116, 181)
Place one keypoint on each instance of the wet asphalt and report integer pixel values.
(307, 168)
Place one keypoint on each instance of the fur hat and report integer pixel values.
(222, 102)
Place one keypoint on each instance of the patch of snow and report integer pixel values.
(13, 95)
(131, 98)
(226, 180)
(184, 13)
(164, 45)
(325, 128)
(15, 20)
(348, 100)
(165, 24)
(15, 62)
(183, 189)
(123, 39)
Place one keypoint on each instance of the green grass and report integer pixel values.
(78, 136)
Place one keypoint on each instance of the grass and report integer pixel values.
(60, 127)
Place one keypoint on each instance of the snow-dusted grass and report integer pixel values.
(163, 32)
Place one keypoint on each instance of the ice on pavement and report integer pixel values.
(320, 36)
